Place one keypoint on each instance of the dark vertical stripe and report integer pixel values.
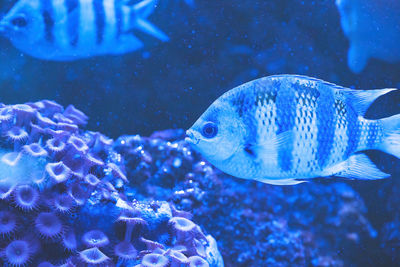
(48, 19)
(100, 16)
(119, 18)
(326, 122)
(353, 131)
(286, 115)
(73, 21)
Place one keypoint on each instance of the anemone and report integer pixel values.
(48, 225)
(69, 240)
(92, 160)
(6, 114)
(177, 258)
(35, 150)
(196, 261)
(58, 172)
(152, 245)
(95, 238)
(69, 127)
(75, 115)
(17, 253)
(78, 145)
(50, 107)
(131, 219)
(77, 192)
(17, 134)
(8, 223)
(6, 190)
(63, 203)
(11, 159)
(55, 145)
(93, 256)
(92, 179)
(24, 113)
(154, 260)
(125, 251)
(61, 118)
(26, 197)
(182, 225)
(45, 122)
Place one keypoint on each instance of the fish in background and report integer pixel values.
(284, 129)
(66, 30)
(372, 27)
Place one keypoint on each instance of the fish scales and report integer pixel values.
(281, 128)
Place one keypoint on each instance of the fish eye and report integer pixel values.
(209, 130)
(19, 21)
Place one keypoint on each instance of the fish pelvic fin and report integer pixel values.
(138, 19)
(357, 167)
(391, 138)
(280, 181)
(362, 99)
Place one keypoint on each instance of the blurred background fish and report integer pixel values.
(74, 29)
(282, 128)
(373, 30)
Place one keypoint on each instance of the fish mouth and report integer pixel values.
(191, 138)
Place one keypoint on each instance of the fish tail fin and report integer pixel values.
(138, 19)
(362, 99)
(391, 135)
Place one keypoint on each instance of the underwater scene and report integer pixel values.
(194, 133)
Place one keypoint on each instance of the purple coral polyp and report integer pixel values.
(196, 261)
(18, 253)
(17, 134)
(155, 260)
(95, 238)
(55, 145)
(58, 172)
(93, 256)
(26, 197)
(125, 251)
(48, 225)
(8, 223)
(35, 150)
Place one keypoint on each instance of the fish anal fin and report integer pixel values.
(280, 181)
(359, 167)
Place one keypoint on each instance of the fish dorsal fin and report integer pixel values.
(143, 8)
(268, 149)
(362, 99)
(138, 14)
(358, 166)
(280, 182)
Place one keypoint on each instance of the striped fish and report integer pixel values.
(284, 129)
(65, 30)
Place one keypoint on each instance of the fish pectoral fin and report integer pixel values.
(358, 166)
(281, 181)
(268, 149)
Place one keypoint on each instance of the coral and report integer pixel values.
(255, 224)
(64, 198)
(17, 253)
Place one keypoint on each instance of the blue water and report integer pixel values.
(213, 47)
